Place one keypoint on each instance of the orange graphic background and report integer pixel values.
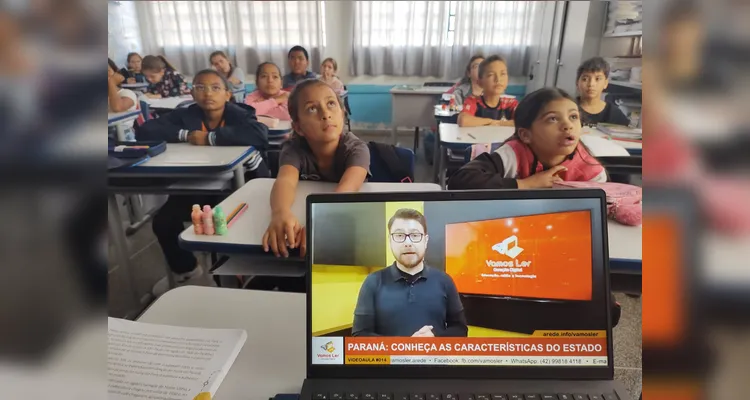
(558, 246)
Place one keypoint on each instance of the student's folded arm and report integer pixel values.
(168, 127)
(466, 119)
(364, 312)
(484, 172)
(264, 106)
(250, 132)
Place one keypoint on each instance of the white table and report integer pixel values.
(118, 120)
(282, 128)
(140, 86)
(634, 148)
(167, 103)
(247, 232)
(625, 242)
(180, 160)
(273, 359)
(414, 107)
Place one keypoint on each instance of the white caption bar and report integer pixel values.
(544, 361)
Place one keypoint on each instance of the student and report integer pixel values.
(163, 81)
(235, 75)
(491, 108)
(545, 149)
(133, 73)
(118, 99)
(269, 99)
(328, 74)
(211, 121)
(592, 79)
(318, 150)
(298, 62)
(167, 64)
(469, 85)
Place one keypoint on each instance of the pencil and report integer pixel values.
(235, 211)
(472, 136)
(237, 215)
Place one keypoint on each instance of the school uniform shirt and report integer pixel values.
(351, 152)
(239, 127)
(462, 92)
(238, 73)
(172, 84)
(515, 160)
(291, 80)
(268, 107)
(136, 104)
(394, 303)
(335, 84)
(611, 114)
(478, 107)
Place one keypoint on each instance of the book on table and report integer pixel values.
(168, 362)
(620, 131)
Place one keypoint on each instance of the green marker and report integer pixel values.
(220, 221)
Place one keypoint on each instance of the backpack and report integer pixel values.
(623, 200)
(389, 163)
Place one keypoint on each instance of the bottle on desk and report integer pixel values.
(220, 221)
(197, 217)
(208, 220)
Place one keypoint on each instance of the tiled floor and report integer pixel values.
(149, 266)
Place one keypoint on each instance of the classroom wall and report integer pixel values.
(123, 32)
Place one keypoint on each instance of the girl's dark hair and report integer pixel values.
(167, 64)
(133, 54)
(152, 63)
(301, 87)
(222, 54)
(467, 71)
(211, 72)
(260, 69)
(112, 64)
(531, 106)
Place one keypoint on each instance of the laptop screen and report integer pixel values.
(458, 282)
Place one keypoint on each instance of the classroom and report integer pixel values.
(272, 163)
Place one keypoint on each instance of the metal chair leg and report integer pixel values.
(416, 140)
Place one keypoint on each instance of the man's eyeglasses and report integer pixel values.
(212, 89)
(401, 237)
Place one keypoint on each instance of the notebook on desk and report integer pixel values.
(476, 295)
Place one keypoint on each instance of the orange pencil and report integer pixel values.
(236, 215)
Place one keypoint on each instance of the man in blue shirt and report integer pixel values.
(409, 298)
(298, 62)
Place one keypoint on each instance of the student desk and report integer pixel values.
(413, 107)
(273, 359)
(138, 87)
(246, 234)
(282, 128)
(185, 169)
(168, 103)
(118, 120)
(634, 147)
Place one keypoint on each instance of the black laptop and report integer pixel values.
(473, 295)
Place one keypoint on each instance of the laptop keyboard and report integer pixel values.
(475, 396)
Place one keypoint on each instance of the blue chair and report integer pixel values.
(390, 163)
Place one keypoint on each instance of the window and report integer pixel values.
(445, 23)
(221, 23)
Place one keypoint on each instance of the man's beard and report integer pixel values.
(410, 260)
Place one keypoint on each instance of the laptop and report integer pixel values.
(459, 295)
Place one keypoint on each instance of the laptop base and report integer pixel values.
(460, 389)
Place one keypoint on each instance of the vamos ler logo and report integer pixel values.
(509, 248)
(328, 350)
